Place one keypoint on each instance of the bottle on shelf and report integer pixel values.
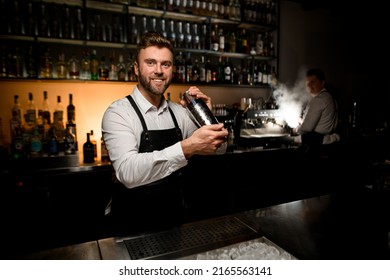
(16, 117)
(131, 76)
(88, 151)
(46, 109)
(46, 70)
(71, 121)
(53, 145)
(31, 111)
(61, 67)
(103, 71)
(58, 121)
(35, 144)
(94, 66)
(70, 144)
(121, 68)
(94, 143)
(112, 68)
(74, 67)
(85, 69)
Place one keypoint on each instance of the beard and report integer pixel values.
(151, 89)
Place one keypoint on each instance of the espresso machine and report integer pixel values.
(261, 125)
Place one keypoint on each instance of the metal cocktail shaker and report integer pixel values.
(198, 109)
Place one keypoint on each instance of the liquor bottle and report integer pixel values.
(188, 36)
(88, 151)
(221, 37)
(31, 111)
(131, 76)
(46, 71)
(61, 67)
(85, 66)
(70, 143)
(200, 112)
(180, 75)
(58, 122)
(53, 146)
(103, 70)
(46, 109)
(74, 67)
(180, 35)
(94, 143)
(214, 41)
(188, 68)
(196, 38)
(35, 144)
(16, 117)
(121, 68)
(196, 72)
(78, 25)
(202, 70)
(31, 67)
(71, 120)
(104, 152)
(134, 34)
(172, 33)
(112, 68)
(228, 71)
(94, 66)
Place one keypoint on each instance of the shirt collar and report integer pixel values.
(145, 106)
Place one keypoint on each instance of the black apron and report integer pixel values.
(156, 205)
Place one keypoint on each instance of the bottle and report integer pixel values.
(35, 144)
(104, 151)
(53, 145)
(94, 66)
(85, 73)
(71, 121)
(31, 111)
(46, 71)
(88, 151)
(131, 76)
(94, 143)
(69, 141)
(16, 118)
(61, 67)
(200, 112)
(46, 109)
(58, 120)
(103, 71)
(112, 68)
(71, 110)
(121, 67)
(74, 67)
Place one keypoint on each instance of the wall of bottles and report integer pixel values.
(47, 40)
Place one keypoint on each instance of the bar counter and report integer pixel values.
(344, 225)
(46, 208)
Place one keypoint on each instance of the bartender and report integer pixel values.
(150, 141)
(317, 127)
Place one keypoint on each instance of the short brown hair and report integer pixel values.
(153, 38)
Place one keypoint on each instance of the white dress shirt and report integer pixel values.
(121, 128)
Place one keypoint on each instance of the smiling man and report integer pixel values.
(149, 140)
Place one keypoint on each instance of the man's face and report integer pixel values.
(314, 85)
(154, 70)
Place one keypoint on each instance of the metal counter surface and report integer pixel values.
(83, 251)
(347, 225)
(350, 225)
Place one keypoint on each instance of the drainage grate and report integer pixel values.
(186, 237)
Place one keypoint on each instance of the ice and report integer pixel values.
(250, 250)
